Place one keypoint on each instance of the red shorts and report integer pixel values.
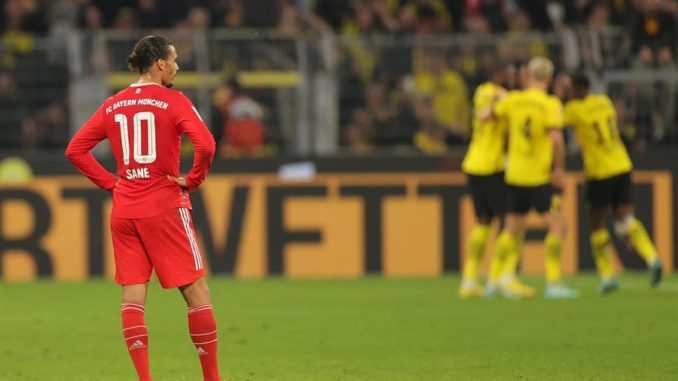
(165, 242)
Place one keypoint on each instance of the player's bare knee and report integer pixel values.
(621, 225)
(196, 293)
(135, 293)
(559, 229)
(623, 211)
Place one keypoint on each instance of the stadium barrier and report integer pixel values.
(390, 216)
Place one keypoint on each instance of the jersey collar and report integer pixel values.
(144, 84)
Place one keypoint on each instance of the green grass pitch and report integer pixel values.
(365, 329)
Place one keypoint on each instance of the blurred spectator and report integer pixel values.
(368, 17)
(47, 129)
(260, 13)
(536, 11)
(64, 15)
(151, 15)
(110, 9)
(425, 16)
(10, 113)
(54, 124)
(382, 106)
(12, 16)
(380, 112)
(636, 118)
(226, 13)
(243, 130)
(358, 135)
(522, 42)
(91, 18)
(446, 89)
(198, 19)
(653, 34)
(588, 12)
(23, 15)
(293, 21)
(493, 12)
(350, 85)
(126, 19)
(333, 12)
(477, 25)
(599, 16)
(577, 11)
(432, 135)
(362, 52)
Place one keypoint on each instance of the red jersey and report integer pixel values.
(144, 124)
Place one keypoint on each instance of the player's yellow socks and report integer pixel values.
(641, 241)
(510, 268)
(554, 246)
(505, 258)
(600, 247)
(476, 251)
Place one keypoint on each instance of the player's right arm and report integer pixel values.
(190, 123)
(569, 115)
(554, 125)
(80, 147)
(558, 175)
(496, 109)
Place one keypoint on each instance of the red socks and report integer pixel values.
(201, 325)
(203, 330)
(136, 337)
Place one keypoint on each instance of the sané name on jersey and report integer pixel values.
(137, 173)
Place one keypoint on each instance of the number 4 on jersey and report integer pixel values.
(527, 128)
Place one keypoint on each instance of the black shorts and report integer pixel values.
(616, 190)
(542, 198)
(488, 194)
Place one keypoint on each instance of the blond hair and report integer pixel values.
(540, 68)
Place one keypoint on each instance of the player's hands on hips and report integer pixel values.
(115, 184)
(558, 177)
(179, 180)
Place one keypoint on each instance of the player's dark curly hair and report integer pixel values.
(146, 51)
(581, 81)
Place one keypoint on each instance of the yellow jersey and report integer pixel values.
(486, 152)
(530, 114)
(594, 121)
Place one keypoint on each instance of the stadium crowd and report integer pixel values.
(403, 93)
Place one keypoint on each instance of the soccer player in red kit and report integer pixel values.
(151, 224)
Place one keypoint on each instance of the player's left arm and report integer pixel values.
(496, 109)
(80, 147)
(554, 125)
(612, 108)
(558, 175)
(569, 115)
(190, 123)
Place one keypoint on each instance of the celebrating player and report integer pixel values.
(484, 167)
(151, 224)
(534, 174)
(608, 179)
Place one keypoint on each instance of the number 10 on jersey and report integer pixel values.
(138, 118)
